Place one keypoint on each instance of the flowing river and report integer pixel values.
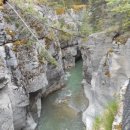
(63, 109)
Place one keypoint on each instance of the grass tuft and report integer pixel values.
(105, 121)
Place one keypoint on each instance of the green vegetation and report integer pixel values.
(85, 27)
(122, 8)
(101, 13)
(109, 13)
(98, 14)
(105, 121)
(45, 56)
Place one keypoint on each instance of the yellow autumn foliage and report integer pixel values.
(20, 42)
(60, 11)
(1, 4)
(78, 7)
(10, 32)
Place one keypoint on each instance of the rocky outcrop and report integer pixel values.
(126, 101)
(70, 54)
(122, 117)
(13, 100)
(28, 73)
(105, 67)
(25, 76)
(118, 121)
(126, 112)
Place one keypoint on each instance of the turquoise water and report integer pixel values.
(62, 110)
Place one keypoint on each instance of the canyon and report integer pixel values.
(60, 83)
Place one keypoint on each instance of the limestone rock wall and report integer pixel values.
(126, 101)
(26, 74)
(24, 78)
(70, 53)
(126, 113)
(106, 71)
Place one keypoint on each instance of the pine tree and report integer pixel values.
(122, 8)
(98, 13)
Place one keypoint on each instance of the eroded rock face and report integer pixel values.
(126, 98)
(24, 79)
(25, 75)
(13, 99)
(118, 122)
(69, 57)
(71, 53)
(6, 118)
(93, 51)
(105, 67)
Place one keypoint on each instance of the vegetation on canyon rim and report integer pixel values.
(104, 122)
(113, 13)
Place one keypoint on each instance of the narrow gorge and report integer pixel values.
(64, 65)
(63, 109)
